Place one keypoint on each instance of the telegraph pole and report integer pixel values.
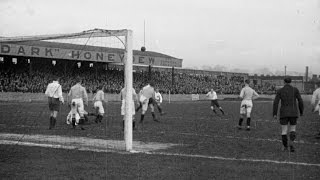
(285, 70)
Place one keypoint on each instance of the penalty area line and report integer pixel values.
(93, 149)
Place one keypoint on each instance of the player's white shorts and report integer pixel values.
(70, 116)
(123, 108)
(144, 102)
(98, 104)
(79, 103)
(317, 108)
(246, 106)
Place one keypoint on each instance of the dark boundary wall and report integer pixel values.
(40, 97)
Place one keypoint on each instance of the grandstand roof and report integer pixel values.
(89, 48)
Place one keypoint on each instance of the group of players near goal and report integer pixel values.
(291, 108)
(78, 97)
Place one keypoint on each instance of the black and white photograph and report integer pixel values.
(160, 89)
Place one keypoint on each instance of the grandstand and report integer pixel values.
(22, 62)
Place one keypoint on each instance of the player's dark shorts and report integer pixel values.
(215, 103)
(286, 120)
(54, 104)
(152, 101)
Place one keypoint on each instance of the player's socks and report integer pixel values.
(240, 121)
(98, 118)
(292, 135)
(86, 119)
(133, 125)
(248, 121)
(153, 115)
(318, 135)
(50, 126)
(160, 110)
(54, 120)
(138, 108)
(81, 120)
(81, 127)
(221, 111)
(285, 141)
(141, 118)
(292, 149)
(91, 114)
(214, 111)
(73, 123)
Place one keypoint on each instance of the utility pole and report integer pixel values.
(285, 70)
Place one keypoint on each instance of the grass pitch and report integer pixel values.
(203, 145)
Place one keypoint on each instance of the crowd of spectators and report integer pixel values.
(16, 78)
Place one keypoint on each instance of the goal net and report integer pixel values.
(92, 46)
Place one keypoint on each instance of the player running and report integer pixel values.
(158, 101)
(54, 93)
(212, 95)
(315, 102)
(247, 94)
(78, 94)
(98, 101)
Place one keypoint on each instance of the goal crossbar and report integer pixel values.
(84, 34)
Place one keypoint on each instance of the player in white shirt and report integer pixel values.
(315, 102)
(98, 101)
(158, 100)
(78, 94)
(247, 94)
(123, 105)
(212, 95)
(147, 99)
(73, 116)
(54, 93)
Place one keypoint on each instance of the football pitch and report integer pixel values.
(190, 142)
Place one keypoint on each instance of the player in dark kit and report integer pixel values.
(288, 112)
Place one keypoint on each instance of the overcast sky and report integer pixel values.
(242, 35)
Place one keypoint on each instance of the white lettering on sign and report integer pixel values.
(79, 55)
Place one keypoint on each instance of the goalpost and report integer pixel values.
(128, 84)
(127, 43)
